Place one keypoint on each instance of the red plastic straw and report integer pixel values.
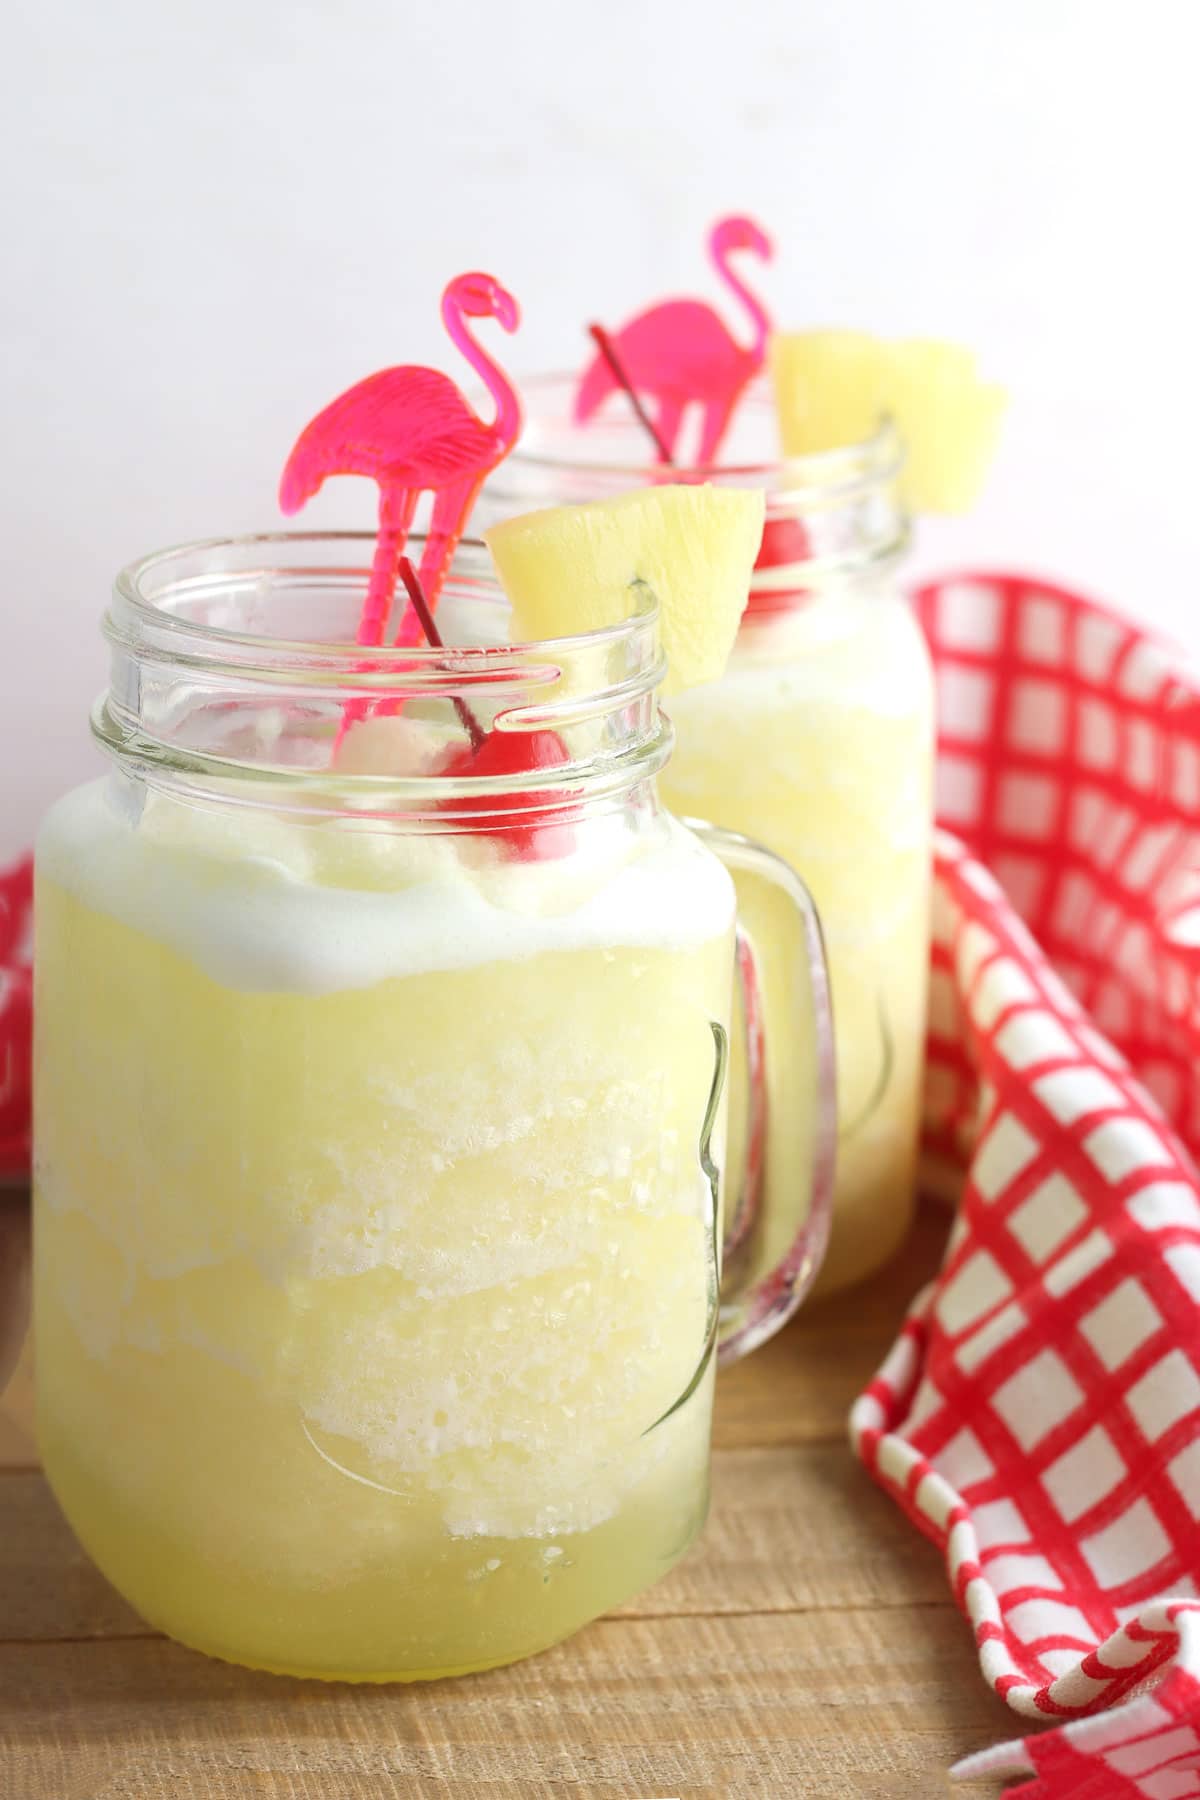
(420, 606)
(608, 351)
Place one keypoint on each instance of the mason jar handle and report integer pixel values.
(755, 1304)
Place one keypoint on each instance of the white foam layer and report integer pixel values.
(266, 905)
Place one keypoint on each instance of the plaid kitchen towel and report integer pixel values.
(16, 1017)
(1039, 1416)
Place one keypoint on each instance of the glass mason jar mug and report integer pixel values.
(379, 1117)
(817, 742)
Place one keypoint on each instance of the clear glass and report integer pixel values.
(380, 1113)
(818, 742)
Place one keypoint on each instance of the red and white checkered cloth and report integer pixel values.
(16, 1017)
(1039, 1417)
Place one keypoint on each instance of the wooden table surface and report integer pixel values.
(807, 1646)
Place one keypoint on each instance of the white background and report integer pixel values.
(218, 213)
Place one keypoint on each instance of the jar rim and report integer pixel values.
(144, 610)
(184, 683)
(836, 473)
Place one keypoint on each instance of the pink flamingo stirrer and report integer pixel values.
(681, 353)
(410, 430)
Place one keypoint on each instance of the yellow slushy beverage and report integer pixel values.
(818, 741)
(374, 1239)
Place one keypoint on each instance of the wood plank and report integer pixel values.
(16, 1403)
(800, 1386)
(17, 1447)
(797, 1529)
(791, 1529)
(817, 1704)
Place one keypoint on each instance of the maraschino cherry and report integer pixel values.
(533, 835)
(784, 541)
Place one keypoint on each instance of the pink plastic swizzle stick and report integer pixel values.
(410, 430)
(681, 353)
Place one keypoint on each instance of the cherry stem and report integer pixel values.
(420, 606)
(608, 351)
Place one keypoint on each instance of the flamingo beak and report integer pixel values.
(507, 311)
(294, 491)
(762, 243)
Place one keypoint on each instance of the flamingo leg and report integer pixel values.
(451, 510)
(396, 509)
(669, 420)
(717, 415)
